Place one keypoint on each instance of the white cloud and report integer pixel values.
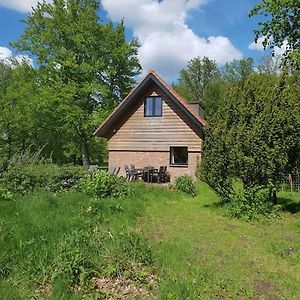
(167, 43)
(278, 51)
(5, 53)
(258, 45)
(7, 56)
(273, 61)
(19, 5)
(281, 50)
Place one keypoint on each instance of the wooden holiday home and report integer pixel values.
(154, 126)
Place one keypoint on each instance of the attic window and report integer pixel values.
(153, 106)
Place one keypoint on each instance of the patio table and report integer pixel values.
(147, 173)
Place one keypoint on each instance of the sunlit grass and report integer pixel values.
(203, 254)
(195, 250)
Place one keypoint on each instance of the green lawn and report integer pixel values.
(203, 255)
(158, 245)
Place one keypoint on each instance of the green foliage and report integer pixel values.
(195, 77)
(26, 172)
(254, 136)
(204, 82)
(281, 26)
(66, 239)
(198, 81)
(5, 194)
(253, 203)
(105, 185)
(5, 77)
(85, 68)
(19, 181)
(50, 177)
(18, 112)
(238, 71)
(186, 185)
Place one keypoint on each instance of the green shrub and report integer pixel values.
(5, 194)
(25, 179)
(73, 259)
(104, 185)
(186, 185)
(18, 180)
(253, 203)
(54, 178)
(27, 171)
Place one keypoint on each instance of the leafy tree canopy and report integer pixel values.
(5, 76)
(195, 77)
(282, 26)
(255, 134)
(85, 66)
(238, 70)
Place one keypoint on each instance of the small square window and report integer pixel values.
(179, 156)
(153, 107)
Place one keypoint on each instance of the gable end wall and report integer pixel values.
(138, 133)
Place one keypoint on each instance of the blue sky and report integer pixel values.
(171, 31)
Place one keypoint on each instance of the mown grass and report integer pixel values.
(203, 254)
(49, 243)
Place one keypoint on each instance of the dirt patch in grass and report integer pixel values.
(43, 291)
(290, 251)
(123, 288)
(265, 289)
(157, 237)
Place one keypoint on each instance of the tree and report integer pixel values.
(238, 70)
(5, 75)
(84, 66)
(195, 77)
(203, 81)
(200, 82)
(282, 26)
(17, 108)
(254, 135)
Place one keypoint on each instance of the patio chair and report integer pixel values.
(160, 175)
(111, 170)
(128, 173)
(147, 174)
(117, 171)
(137, 173)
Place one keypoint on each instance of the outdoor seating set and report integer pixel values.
(147, 174)
(114, 170)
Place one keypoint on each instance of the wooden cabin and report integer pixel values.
(154, 126)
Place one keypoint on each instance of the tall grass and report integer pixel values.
(65, 240)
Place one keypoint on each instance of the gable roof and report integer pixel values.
(121, 108)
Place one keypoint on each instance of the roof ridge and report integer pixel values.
(167, 86)
(179, 97)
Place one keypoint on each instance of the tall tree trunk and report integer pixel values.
(85, 153)
(274, 198)
(83, 147)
